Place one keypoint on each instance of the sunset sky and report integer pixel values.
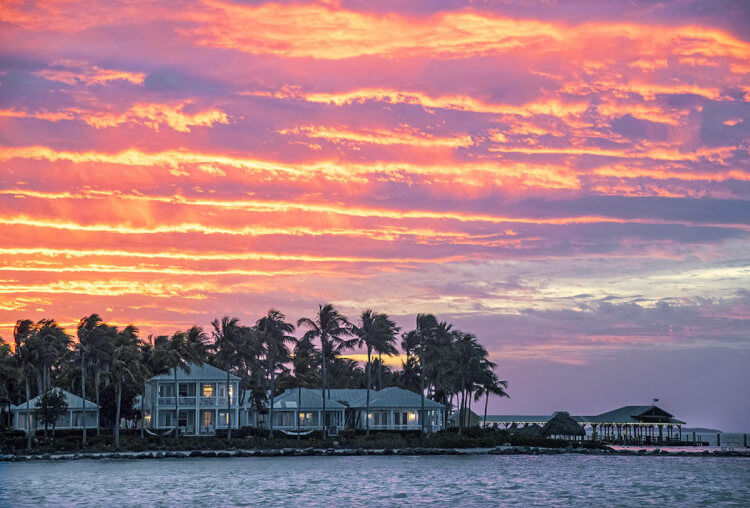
(570, 181)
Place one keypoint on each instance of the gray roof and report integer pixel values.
(387, 398)
(623, 415)
(202, 372)
(394, 397)
(628, 414)
(349, 396)
(307, 398)
(74, 402)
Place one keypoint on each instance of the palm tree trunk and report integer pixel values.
(460, 416)
(28, 412)
(486, 401)
(118, 389)
(96, 383)
(176, 404)
(323, 390)
(270, 411)
(229, 410)
(143, 411)
(421, 388)
(380, 371)
(45, 407)
(299, 406)
(369, 383)
(83, 396)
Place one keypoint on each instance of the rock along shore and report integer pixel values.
(319, 452)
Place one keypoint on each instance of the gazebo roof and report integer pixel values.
(562, 424)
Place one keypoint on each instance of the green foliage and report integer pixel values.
(50, 407)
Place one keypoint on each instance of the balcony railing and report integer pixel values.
(192, 401)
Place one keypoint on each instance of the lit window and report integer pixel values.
(412, 416)
(208, 390)
(208, 418)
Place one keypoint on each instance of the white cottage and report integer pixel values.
(301, 409)
(80, 412)
(201, 396)
(391, 408)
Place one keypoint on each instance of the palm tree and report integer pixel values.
(490, 385)
(10, 374)
(275, 333)
(426, 325)
(376, 331)
(330, 327)
(126, 365)
(176, 354)
(227, 335)
(49, 343)
(198, 342)
(96, 345)
(21, 334)
(86, 332)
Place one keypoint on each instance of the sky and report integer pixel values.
(568, 180)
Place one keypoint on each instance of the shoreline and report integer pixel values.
(350, 452)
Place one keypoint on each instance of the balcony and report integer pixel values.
(216, 402)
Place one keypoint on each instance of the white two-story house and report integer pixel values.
(201, 396)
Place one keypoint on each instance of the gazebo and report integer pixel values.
(562, 425)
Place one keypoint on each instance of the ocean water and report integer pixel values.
(528, 480)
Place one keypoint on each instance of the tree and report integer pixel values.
(426, 326)
(48, 343)
(227, 334)
(10, 374)
(178, 353)
(275, 334)
(375, 332)
(126, 365)
(96, 345)
(21, 334)
(330, 327)
(86, 331)
(490, 385)
(197, 341)
(50, 407)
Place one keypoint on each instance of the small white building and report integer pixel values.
(391, 408)
(301, 409)
(80, 412)
(201, 396)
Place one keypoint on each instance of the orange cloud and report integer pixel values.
(402, 136)
(148, 114)
(318, 31)
(91, 75)
(455, 102)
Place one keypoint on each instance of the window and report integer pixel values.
(224, 417)
(208, 389)
(187, 390)
(183, 421)
(305, 418)
(166, 390)
(223, 390)
(208, 418)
